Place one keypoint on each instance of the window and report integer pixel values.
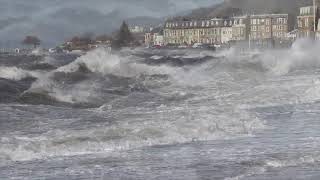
(254, 21)
(274, 27)
(299, 23)
(268, 22)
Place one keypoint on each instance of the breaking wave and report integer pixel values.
(14, 73)
(139, 100)
(184, 125)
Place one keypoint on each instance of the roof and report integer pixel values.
(268, 15)
(202, 23)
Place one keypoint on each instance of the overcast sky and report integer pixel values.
(55, 20)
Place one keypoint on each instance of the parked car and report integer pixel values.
(182, 46)
(197, 45)
(156, 46)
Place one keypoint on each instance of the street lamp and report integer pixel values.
(314, 18)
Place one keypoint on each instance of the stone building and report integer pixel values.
(260, 28)
(226, 34)
(206, 31)
(269, 26)
(240, 28)
(154, 38)
(306, 21)
(318, 31)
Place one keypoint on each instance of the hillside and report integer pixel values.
(236, 7)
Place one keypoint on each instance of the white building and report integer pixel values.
(318, 31)
(137, 29)
(293, 35)
(226, 34)
(158, 39)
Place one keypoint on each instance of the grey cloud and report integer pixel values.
(55, 20)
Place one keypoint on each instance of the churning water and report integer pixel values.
(142, 114)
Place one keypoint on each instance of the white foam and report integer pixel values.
(185, 124)
(155, 57)
(226, 117)
(14, 73)
(104, 62)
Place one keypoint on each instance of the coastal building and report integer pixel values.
(154, 38)
(137, 29)
(269, 26)
(306, 21)
(226, 31)
(205, 31)
(158, 39)
(293, 35)
(226, 34)
(148, 39)
(318, 31)
(269, 30)
(240, 28)
(260, 29)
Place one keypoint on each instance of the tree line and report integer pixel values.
(121, 38)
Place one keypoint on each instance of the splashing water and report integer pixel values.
(159, 114)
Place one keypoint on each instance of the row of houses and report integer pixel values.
(227, 30)
(308, 22)
(256, 30)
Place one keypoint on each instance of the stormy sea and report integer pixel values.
(161, 114)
